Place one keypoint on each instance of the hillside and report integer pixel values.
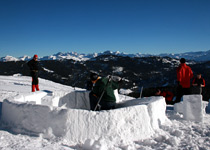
(147, 72)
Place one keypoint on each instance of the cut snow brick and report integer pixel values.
(193, 109)
(179, 107)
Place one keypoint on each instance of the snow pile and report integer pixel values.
(70, 118)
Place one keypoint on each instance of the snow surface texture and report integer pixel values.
(179, 134)
(77, 124)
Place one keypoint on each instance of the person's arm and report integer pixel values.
(30, 65)
(204, 84)
(191, 74)
(193, 83)
(178, 73)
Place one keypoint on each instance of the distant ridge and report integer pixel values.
(196, 56)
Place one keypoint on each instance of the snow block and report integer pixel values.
(130, 123)
(34, 97)
(178, 107)
(26, 117)
(208, 108)
(157, 109)
(0, 109)
(193, 109)
(134, 120)
(76, 100)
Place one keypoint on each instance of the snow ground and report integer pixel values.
(181, 134)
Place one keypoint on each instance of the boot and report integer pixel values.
(33, 88)
(37, 87)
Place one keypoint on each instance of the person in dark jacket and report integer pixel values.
(184, 75)
(108, 85)
(94, 76)
(34, 71)
(198, 83)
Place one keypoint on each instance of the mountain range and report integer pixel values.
(196, 56)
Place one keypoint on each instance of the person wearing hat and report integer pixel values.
(184, 75)
(94, 76)
(104, 87)
(34, 71)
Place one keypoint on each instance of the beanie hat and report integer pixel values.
(35, 56)
(93, 76)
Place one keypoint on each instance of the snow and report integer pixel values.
(54, 119)
(191, 107)
(208, 107)
(125, 91)
(45, 69)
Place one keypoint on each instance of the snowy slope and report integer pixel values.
(181, 134)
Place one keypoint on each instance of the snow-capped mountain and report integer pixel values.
(11, 58)
(196, 56)
(24, 58)
(8, 58)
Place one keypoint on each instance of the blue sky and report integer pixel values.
(46, 27)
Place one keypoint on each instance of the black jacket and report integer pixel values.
(33, 65)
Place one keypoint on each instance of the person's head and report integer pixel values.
(93, 76)
(182, 60)
(157, 92)
(199, 75)
(35, 57)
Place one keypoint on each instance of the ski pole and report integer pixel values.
(141, 92)
(102, 94)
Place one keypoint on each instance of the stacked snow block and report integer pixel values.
(34, 98)
(134, 120)
(191, 108)
(178, 107)
(208, 108)
(75, 100)
(0, 109)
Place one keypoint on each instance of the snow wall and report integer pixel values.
(134, 119)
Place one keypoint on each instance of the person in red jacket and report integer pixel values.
(184, 75)
(167, 94)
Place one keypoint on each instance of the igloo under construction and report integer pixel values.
(68, 116)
